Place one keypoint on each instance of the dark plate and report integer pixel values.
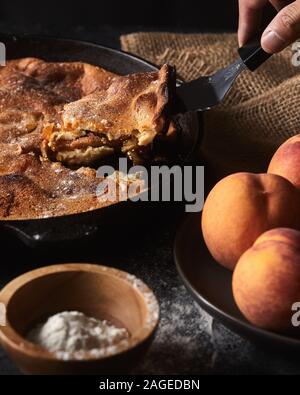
(210, 285)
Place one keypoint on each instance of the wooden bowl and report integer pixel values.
(96, 291)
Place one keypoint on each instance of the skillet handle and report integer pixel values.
(253, 55)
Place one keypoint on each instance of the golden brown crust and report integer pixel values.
(71, 81)
(34, 189)
(34, 94)
(132, 111)
(136, 102)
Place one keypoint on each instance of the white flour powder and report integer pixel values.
(73, 335)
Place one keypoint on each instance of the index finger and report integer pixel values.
(250, 14)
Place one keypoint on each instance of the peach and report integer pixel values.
(266, 281)
(286, 161)
(242, 207)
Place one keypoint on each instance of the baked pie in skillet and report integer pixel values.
(60, 121)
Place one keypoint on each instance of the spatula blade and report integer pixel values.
(207, 92)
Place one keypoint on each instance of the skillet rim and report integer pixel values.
(84, 215)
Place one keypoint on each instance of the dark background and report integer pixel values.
(104, 21)
(181, 14)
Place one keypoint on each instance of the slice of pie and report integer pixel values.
(125, 118)
(57, 120)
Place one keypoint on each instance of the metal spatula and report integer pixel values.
(207, 92)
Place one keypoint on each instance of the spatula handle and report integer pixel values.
(253, 55)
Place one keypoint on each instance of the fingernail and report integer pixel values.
(272, 41)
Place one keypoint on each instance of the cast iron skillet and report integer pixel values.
(64, 50)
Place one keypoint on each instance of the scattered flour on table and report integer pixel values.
(73, 335)
(184, 339)
(149, 299)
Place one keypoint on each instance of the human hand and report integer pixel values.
(281, 32)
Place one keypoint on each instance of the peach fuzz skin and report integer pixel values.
(286, 161)
(266, 280)
(241, 208)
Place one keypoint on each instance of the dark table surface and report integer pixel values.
(188, 341)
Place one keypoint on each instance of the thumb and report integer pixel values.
(283, 30)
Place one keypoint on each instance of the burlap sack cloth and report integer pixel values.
(261, 111)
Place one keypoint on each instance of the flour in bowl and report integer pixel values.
(73, 335)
